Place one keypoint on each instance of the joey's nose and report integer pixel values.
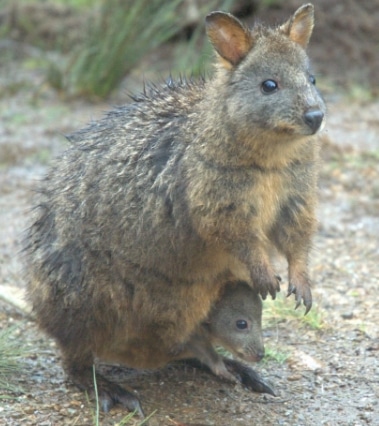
(313, 118)
(260, 354)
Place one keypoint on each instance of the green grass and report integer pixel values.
(271, 3)
(11, 352)
(278, 356)
(130, 416)
(114, 37)
(117, 38)
(96, 415)
(124, 421)
(120, 35)
(283, 308)
(361, 93)
(79, 4)
(193, 56)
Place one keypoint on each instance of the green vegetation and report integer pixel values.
(97, 412)
(120, 35)
(282, 308)
(75, 3)
(72, 3)
(191, 56)
(130, 416)
(271, 3)
(360, 92)
(117, 38)
(273, 354)
(10, 355)
(125, 420)
(91, 50)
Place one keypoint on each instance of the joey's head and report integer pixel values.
(235, 322)
(267, 85)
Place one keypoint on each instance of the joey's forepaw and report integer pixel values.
(248, 377)
(223, 373)
(302, 293)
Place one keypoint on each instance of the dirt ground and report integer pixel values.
(330, 374)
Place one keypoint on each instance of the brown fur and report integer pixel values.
(142, 221)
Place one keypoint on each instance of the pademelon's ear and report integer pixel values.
(231, 40)
(299, 28)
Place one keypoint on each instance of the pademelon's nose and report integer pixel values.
(313, 118)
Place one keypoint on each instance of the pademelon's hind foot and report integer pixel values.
(109, 393)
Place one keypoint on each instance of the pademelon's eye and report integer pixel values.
(269, 86)
(312, 79)
(241, 324)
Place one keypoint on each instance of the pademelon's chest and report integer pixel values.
(238, 203)
(265, 195)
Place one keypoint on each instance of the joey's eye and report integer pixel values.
(269, 86)
(241, 324)
(312, 79)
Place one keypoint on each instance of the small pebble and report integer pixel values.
(294, 378)
(347, 315)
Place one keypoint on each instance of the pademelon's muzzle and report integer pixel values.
(252, 355)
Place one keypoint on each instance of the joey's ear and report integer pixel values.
(299, 27)
(231, 40)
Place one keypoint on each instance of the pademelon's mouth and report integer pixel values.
(286, 128)
(301, 130)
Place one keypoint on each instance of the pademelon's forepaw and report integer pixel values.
(302, 292)
(265, 281)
